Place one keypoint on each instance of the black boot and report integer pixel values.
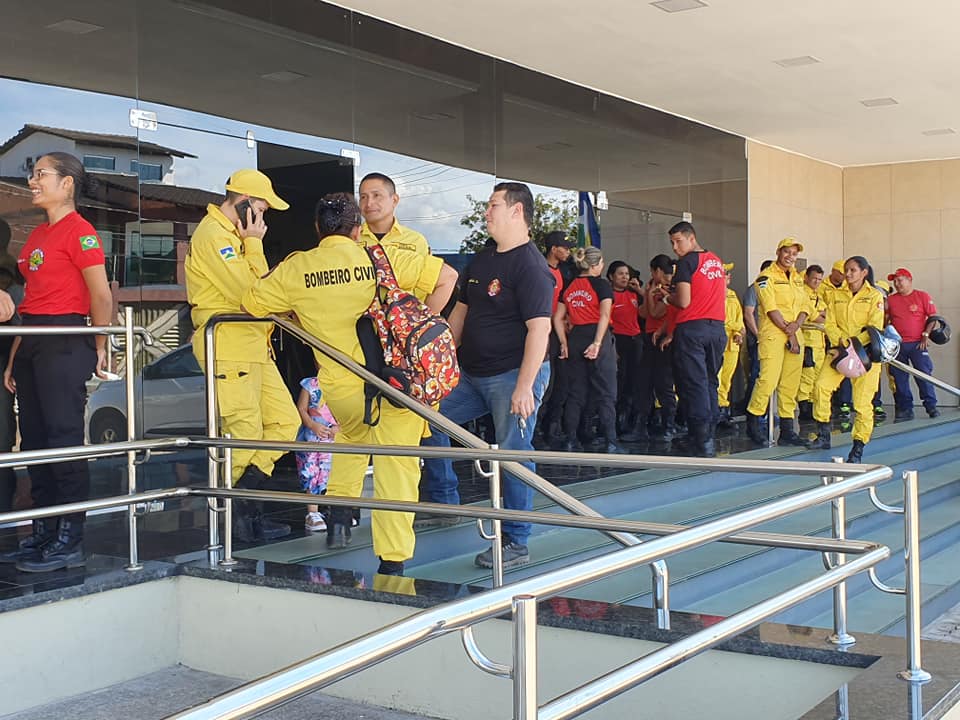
(724, 420)
(639, 431)
(29, 548)
(822, 440)
(701, 440)
(806, 409)
(856, 453)
(390, 567)
(757, 428)
(338, 527)
(63, 551)
(788, 436)
(249, 524)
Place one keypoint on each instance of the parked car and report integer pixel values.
(170, 400)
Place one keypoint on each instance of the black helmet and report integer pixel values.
(941, 331)
(883, 345)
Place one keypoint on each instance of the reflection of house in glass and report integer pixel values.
(143, 218)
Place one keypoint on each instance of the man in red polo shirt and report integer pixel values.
(909, 311)
(699, 292)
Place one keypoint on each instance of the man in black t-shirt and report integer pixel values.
(502, 322)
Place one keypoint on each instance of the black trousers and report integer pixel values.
(551, 410)
(656, 380)
(51, 372)
(598, 378)
(629, 352)
(698, 354)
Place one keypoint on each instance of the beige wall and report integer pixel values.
(908, 215)
(903, 215)
(793, 196)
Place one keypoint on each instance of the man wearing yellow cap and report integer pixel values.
(783, 309)
(814, 340)
(843, 397)
(733, 325)
(226, 258)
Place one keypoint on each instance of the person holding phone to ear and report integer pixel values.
(224, 260)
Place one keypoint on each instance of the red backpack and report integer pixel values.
(404, 342)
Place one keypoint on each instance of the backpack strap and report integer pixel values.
(381, 263)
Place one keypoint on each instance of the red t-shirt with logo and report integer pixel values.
(52, 263)
(909, 313)
(624, 319)
(582, 298)
(708, 286)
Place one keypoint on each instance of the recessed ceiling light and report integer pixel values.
(940, 131)
(800, 61)
(435, 116)
(879, 102)
(283, 76)
(672, 6)
(559, 145)
(74, 27)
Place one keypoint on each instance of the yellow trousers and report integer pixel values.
(808, 375)
(780, 369)
(864, 388)
(731, 358)
(394, 478)
(255, 404)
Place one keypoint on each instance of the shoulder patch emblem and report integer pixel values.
(89, 242)
(762, 282)
(228, 253)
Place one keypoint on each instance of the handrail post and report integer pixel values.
(134, 560)
(661, 593)
(525, 657)
(838, 512)
(911, 530)
(213, 459)
(228, 560)
(771, 417)
(496, 501)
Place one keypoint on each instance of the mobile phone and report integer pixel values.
(241, 208)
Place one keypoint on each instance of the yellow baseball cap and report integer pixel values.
(728, 267)
(790, 242)
(255, 184)
(838, 266)
(883, 285)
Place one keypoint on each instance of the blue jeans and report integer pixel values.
(475, 397)
(910, 353)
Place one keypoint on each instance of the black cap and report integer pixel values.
(556, 239)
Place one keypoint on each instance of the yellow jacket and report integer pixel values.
(848, 314)
(734, 318)
(330, 287)
(777, 291)
(398, 236)
(220, 267)
(817, 305)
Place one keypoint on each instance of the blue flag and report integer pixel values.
(588, 231)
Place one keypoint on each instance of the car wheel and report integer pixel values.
(108, 426)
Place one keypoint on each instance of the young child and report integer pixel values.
(313, 467)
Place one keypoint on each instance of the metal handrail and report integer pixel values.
(924, 376)
(658, 569)
(351, 657)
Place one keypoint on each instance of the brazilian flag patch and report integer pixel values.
(89, 242)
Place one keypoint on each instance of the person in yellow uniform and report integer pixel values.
(783, 309)
(224, 259)
(853, 307)
(842, 397)
(731, 354)
(378, 205)
(329, 287)
(814, 341)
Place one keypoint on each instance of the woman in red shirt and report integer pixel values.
(625, 321)
(62, 263)
(589, 351)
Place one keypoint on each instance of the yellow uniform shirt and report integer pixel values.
(330, 287)
(398, 236)
(220, 267)
(734, 317)
(817, 306)
(777, 291)
(848, 314)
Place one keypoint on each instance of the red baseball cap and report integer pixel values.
(901, 272)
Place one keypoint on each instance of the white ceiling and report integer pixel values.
(716, 64)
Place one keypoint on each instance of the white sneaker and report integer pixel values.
(314, 522)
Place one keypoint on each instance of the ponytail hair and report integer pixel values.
(587, 257)
(337, 214)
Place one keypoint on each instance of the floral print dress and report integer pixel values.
(313, 468)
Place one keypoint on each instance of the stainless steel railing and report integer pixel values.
(128, 330)
(658, 569)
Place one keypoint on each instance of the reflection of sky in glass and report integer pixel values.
(433, 197)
